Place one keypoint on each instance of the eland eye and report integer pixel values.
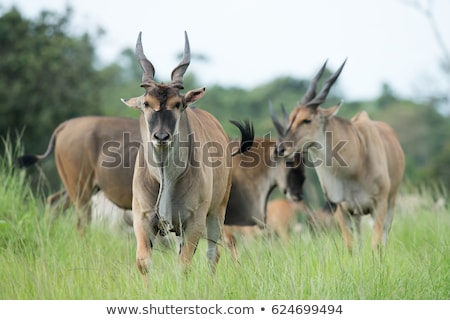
(306, 121)
(177, 105)
(146, 104)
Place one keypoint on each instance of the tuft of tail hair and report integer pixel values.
(247, 133)
(26, 160)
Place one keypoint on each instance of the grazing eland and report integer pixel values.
(359, 162)
(182, 177)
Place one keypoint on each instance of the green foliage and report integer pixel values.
(46, 75)
(123, 83)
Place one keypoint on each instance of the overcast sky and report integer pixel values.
(250, 42)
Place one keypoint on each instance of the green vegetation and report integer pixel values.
(48, 75)
(41, 260)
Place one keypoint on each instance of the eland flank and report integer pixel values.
(92, 154)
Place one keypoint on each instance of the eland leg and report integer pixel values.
(359, 240)
(189, 241)
(214, 235)
(145, 236)
(382, 218)
(230, 241)
(345, 223)
(389, 219)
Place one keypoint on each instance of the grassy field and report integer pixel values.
(43, 261)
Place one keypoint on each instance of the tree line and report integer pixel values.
(49, 75)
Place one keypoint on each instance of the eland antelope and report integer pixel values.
(92, 154)
(359, 162)
(182, 177)
(255, 175)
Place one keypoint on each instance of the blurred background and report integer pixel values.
(63, 59)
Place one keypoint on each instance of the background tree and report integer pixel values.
(426, 9)
(47, 75)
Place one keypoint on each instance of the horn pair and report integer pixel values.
(149, 71)
(309, 99)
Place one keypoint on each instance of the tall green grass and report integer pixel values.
(40, 260)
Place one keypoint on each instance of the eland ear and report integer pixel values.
(136, 102)
(332, 111)
(194, 95)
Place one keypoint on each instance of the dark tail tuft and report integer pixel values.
(26, 160)
(247, 134)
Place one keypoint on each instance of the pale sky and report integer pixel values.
(251, 42)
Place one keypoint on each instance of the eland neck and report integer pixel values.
(338, 157)
(167, 164)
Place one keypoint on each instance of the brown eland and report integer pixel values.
(359, 162)
(255, 175)
(182, 177)
(91, 154)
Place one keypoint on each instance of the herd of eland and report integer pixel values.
(178, 172)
